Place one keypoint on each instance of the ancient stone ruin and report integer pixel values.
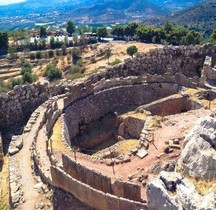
(139, 102)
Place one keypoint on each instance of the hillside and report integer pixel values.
(119, 10)
(175, 5)
(201, 17)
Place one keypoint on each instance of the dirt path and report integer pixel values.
(31, 196)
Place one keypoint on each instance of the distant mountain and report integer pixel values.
(55, 13)
(84, 7)
(118, 10)
(201, 17)
(176, 5)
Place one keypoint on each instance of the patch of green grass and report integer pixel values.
(115, 62)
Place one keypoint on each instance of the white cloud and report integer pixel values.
(5, 2)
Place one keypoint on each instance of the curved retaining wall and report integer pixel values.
(163, 69)
(59, 176)
(97, 105)
(169, 63)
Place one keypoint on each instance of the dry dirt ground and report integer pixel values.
(118, 51)
(96, 52)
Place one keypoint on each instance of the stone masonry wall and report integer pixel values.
(171, 64)
(112, 100)
(18, 104)
(92, 197)
(99, 181)
(184, 60)
(170, 105)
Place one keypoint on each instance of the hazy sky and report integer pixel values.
(5, 2)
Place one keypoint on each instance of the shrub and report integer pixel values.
(132, 50)
(75, 72)
(80, 62)
(27, 77)
(38, 55)
(92, 60)
(52, 72)
(58, 52)
(75, 53)
(16, 81)
(25, 66)
(44, 55)
(51, 53)
(32, 56)
(64, 49)
(115, 62)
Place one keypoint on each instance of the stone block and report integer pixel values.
(118, 188)
(132, 191)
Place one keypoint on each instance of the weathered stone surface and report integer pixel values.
(172, 191)
(158, 196)
(142, 153)
(198, 157)
(19, 143)
(13, 151)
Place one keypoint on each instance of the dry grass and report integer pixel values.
(126, 146)
(203, 186)
(119, 148)
(118, 50)
(11, 74)
(57, 142)
(138, 115)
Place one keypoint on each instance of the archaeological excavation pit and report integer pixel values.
(102, 123)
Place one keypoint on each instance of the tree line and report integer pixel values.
(167, 34)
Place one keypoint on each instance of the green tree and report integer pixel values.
(132, 50)
(3, 40)
(75, 53)
(18, 35)
(75, 39)
(43, 32)
(12, 52)
(102, 32)
(38, 54)
(51, 53)
(25, 66)
(130, 29)
(32, 56)
(213, 37)
(70, 27)
(64, 49)
(118, 31)
(52, 42)
(192, 38)
(167, 27)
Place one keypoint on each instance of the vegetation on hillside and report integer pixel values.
(201, 17)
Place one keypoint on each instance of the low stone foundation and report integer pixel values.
(170, 105)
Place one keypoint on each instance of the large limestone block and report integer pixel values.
(198, 158)
(159, 198)
(170, 191)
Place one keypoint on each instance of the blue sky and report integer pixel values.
(5, 2)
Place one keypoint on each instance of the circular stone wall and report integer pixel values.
(85, 112)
